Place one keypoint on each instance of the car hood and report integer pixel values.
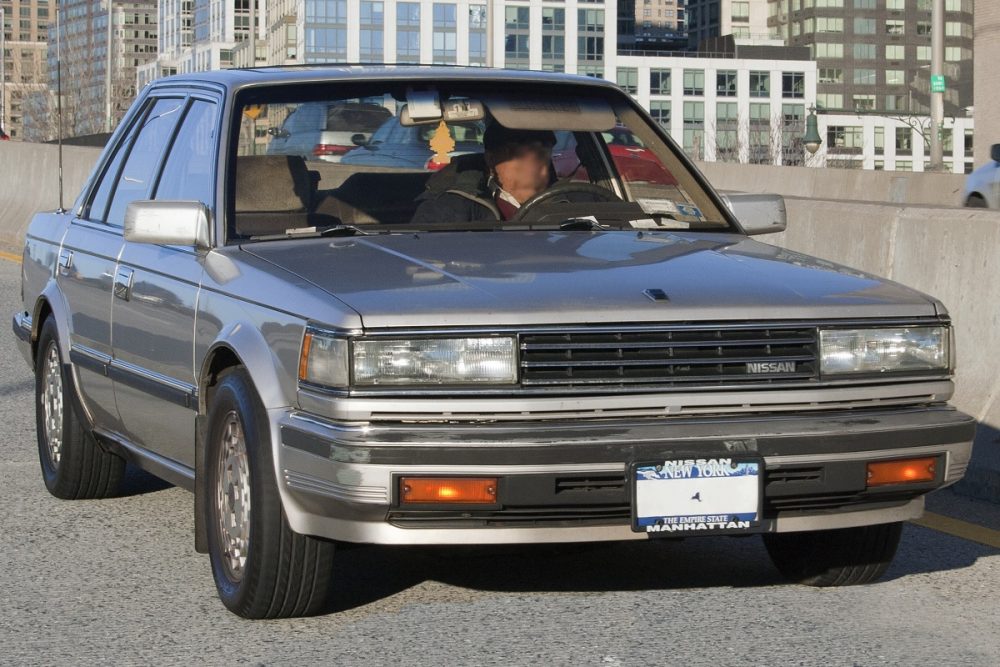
(524, 278)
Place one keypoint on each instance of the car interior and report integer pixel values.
(277, 193)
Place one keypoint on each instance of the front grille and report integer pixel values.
(681, 357)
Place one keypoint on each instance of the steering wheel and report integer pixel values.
(602, 195)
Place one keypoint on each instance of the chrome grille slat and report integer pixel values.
(667, 357)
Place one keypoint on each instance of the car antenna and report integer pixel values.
(59, 117)
(59, 123)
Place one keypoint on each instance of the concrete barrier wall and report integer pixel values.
(29, 182)
(897, 187)
(945, 252)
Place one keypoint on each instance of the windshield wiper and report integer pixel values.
(313, 232)
(586, 224)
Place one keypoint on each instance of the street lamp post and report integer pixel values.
(937, 94)
(3, 73)
(812, 140)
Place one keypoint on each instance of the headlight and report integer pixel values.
(435, 361)
(330, 361)
(904, 349)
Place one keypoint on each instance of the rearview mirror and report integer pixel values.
(995, 152)
(183, 223)
(758, 213)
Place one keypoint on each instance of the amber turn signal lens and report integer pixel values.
(304, 356)
(901, 471)
(457, 490)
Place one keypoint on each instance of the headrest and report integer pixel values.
(272, 183)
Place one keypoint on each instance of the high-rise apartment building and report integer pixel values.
(659, 22)
(93, 47)
(25, 71)
(745, 20)
(875, 55)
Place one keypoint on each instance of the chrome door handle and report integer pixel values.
(65, 261)
(123, 283)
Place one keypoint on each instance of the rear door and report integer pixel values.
(156, 296)
(85, 275)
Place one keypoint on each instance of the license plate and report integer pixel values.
(685, 496)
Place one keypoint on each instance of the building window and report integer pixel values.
(864, 77)
(628, 79)
(904, 141)
(864, 102)
(829, 101)
(553, 18)
(477, 34)
(694, 129)
(895, 52)
(408, 32)
(844, 138)
(725, 83)
(923, 53)
(727, 147)
(516, 18)
(895, 27)
(793, 126)
(694, 82)
(864, 4)
(590, 38)
(741, 11)
(924, 28)
(895, 5)
(660, 111)
(864, 51)
(896, 102)
(831, 75)
(326, 31)
(445, 39)
(517, 47)
(827, 24)
(895, 77)
(659, 82)
(760, 133)
(825, 50)
(864, 26)
(793, 84)
(371, 33)
(760, 84)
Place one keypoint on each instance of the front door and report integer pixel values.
(156, 298)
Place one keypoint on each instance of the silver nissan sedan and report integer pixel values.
(488, 348)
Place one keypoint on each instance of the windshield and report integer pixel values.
(459, 156)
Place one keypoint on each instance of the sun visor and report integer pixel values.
(532, 112)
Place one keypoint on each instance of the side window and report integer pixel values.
(189, 172)
(99, 203)
(136, 178)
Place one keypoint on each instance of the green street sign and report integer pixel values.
(937, 83)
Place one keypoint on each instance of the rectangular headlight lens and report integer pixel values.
(435, 361)
(884, 350)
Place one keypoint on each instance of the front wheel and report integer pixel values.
(262, 569)
(74, 465)
(844, 557)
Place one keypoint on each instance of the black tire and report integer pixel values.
(845, 557)
(282, 573)
(74, 465)
(976, 201)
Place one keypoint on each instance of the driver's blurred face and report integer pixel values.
(523, 170)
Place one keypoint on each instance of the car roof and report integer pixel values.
(235, 79)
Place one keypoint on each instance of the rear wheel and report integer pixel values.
(845, 557)
(74, 465)
(262, 569)
(976, 201)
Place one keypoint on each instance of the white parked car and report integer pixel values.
(982, 187)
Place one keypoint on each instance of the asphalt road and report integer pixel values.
(118, 582)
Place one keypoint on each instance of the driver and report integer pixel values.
(516, 166)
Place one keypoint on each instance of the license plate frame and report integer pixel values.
(744, 488)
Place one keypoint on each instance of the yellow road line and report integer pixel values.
(10, 257)
(958, 528)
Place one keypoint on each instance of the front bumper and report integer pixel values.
(565, 481)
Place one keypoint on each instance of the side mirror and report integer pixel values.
(995, 152)
(758, 213)
(359, 139)
(183, 223)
